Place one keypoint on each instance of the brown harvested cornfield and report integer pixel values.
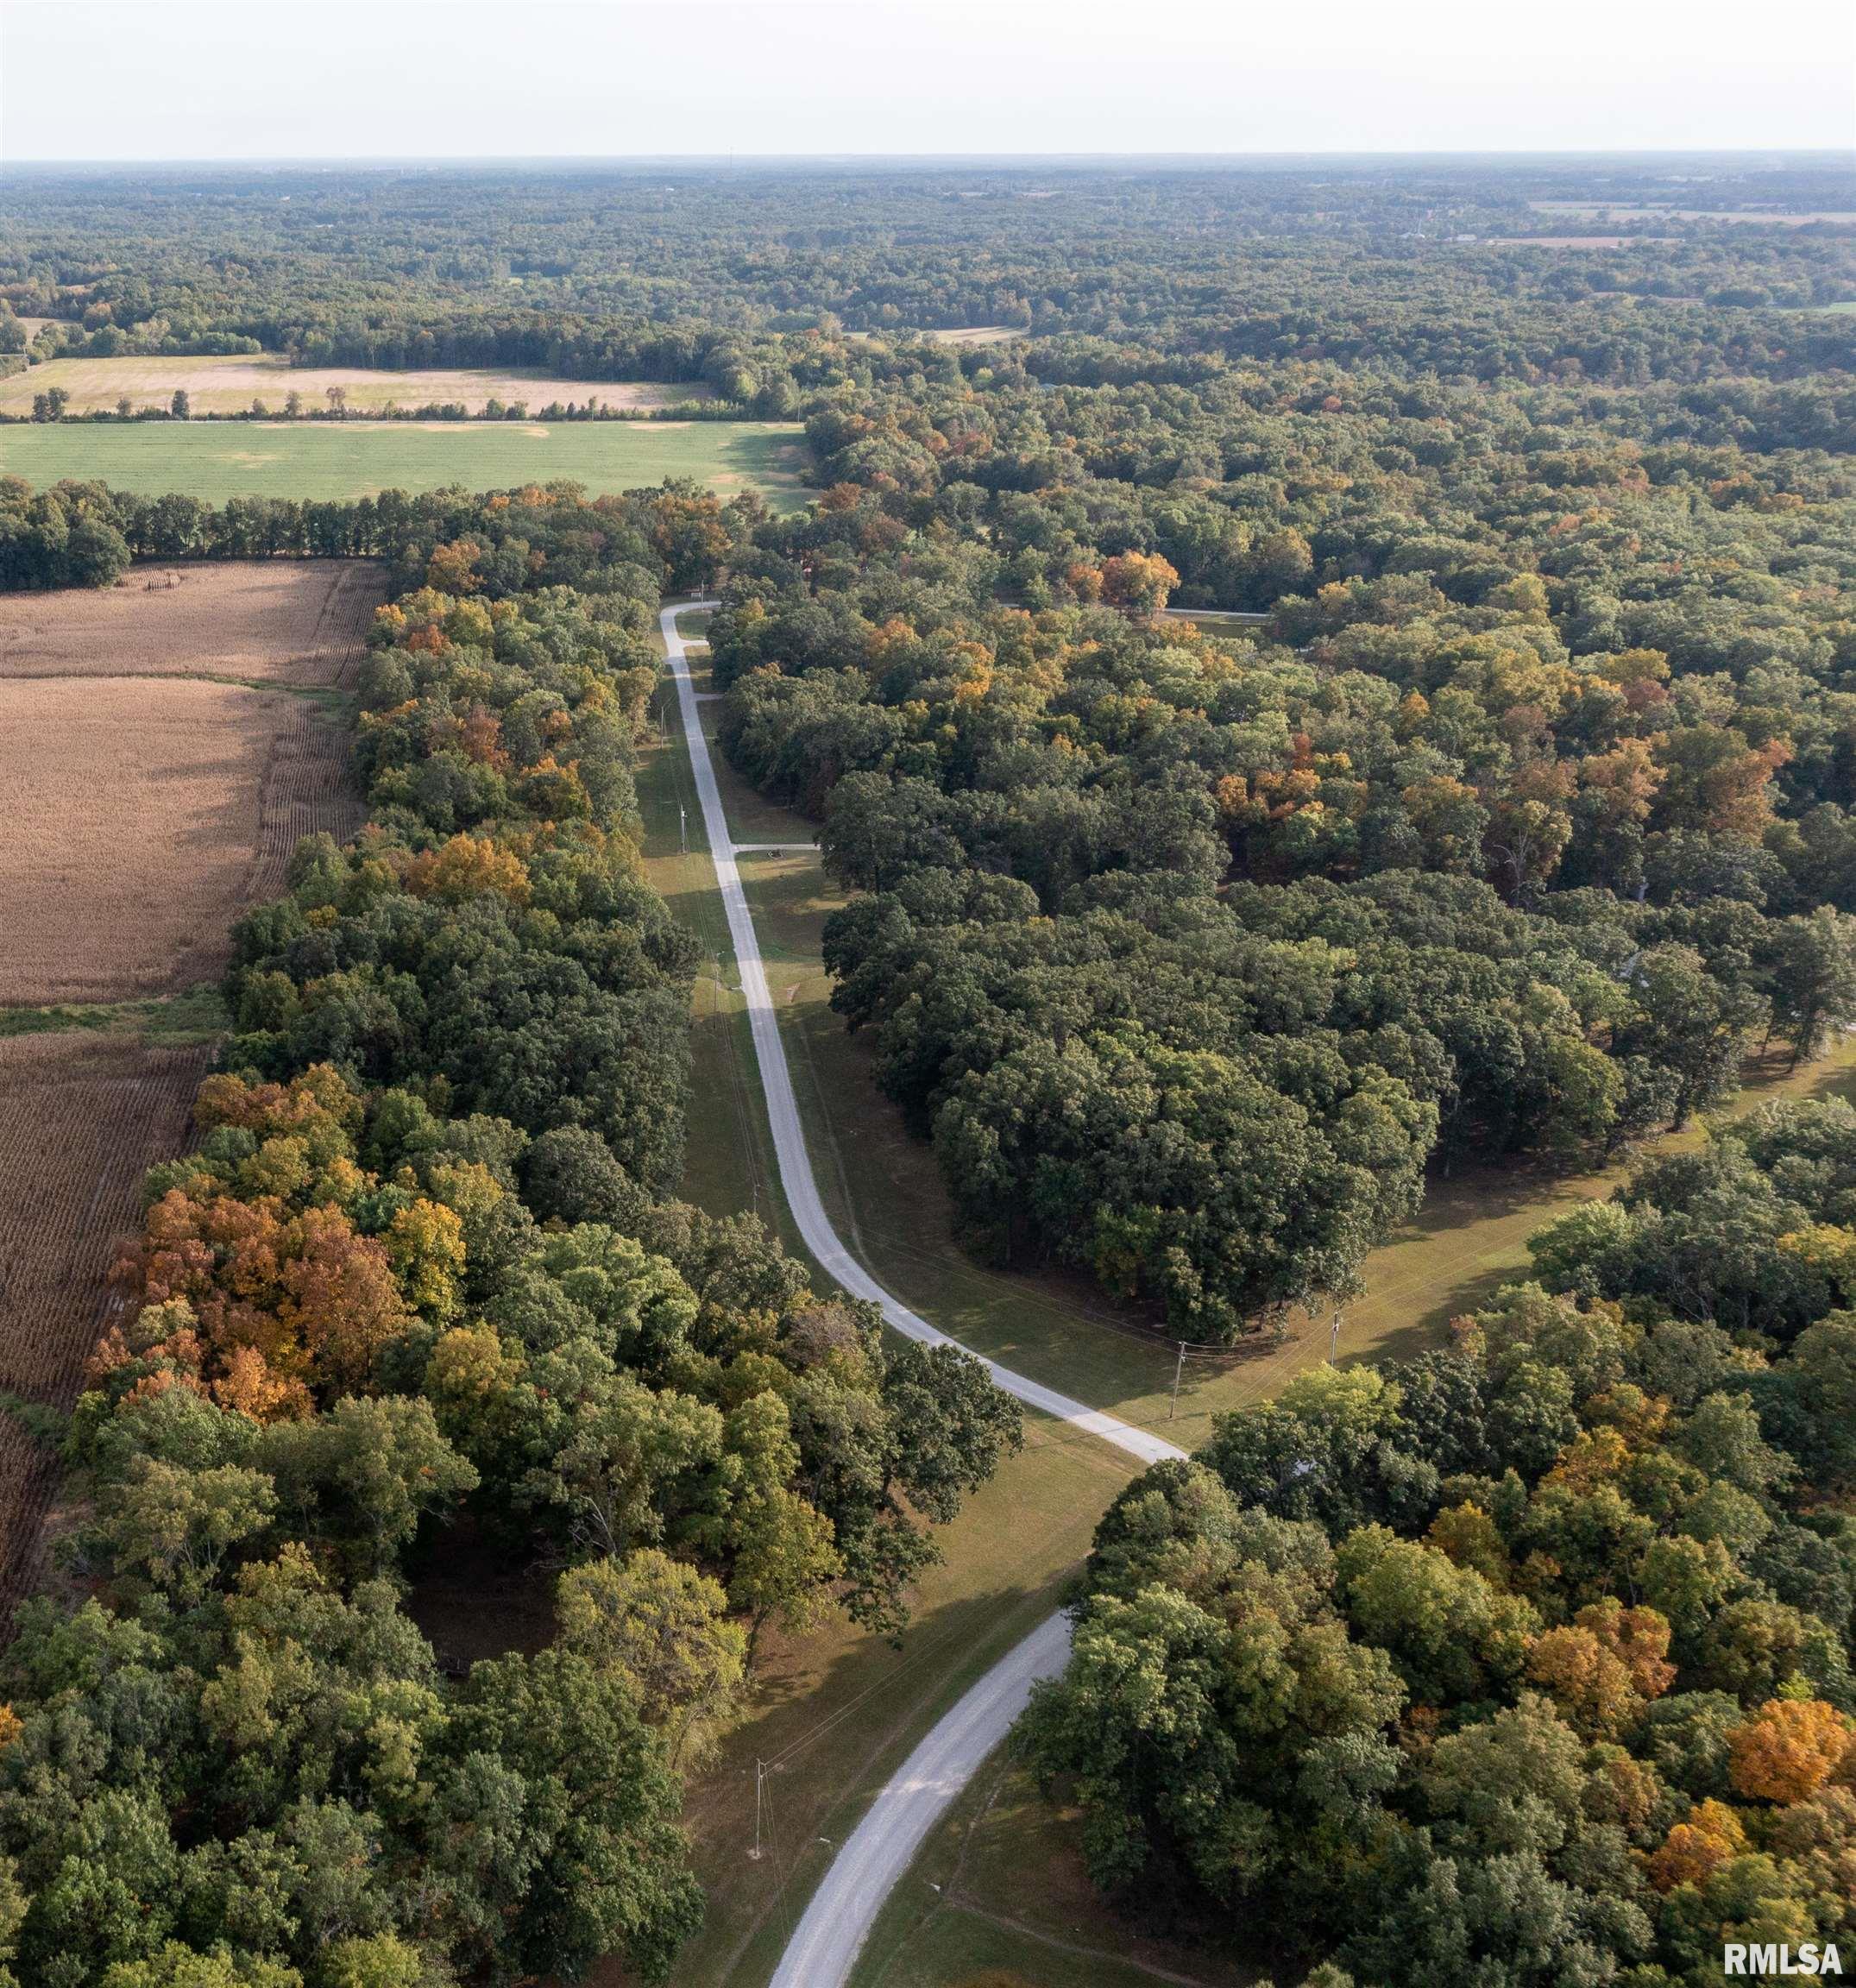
(82, 1118)
(149, 794)
(145, 815)
(307, 787)
(231, 386)
(158, 765)
(298, 621)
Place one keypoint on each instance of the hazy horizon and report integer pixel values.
(1837, 157)
(189, 82)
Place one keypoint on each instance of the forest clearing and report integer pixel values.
(217, 384)
(152, 798)
(326, 461)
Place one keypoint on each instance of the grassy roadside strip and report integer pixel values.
(999, 1894)
(838, 1709)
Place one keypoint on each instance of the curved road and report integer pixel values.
(825, 1944)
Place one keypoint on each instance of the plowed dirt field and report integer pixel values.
(162, 746)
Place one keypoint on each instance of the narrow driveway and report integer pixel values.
(782, 1108)
(825, 1944)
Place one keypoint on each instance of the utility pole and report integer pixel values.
(682, 828)
(1334, 1345)
(1178, 1368)
(760, 1776)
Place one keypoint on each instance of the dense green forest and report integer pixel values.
(1527, 1660)
(1517, 815)
(422, 1261)
(1521, 817)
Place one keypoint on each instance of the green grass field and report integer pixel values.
(215, 460)
(837, 1711)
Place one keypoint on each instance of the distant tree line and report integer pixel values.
(78, 534)
(54, 405)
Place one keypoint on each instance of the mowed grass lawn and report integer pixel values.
(215, 460)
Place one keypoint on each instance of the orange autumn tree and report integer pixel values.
(467, 866)
(480, 738)
(254, 1283)
(160, 1347)
(1694, 1849)
(1788, 1750)
(1140, 581)
(452, 569)
(1603, 1668)
(313, 1298)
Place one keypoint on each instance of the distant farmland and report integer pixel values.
(221, 459)
(229, 385)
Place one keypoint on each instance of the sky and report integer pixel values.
(178, 80)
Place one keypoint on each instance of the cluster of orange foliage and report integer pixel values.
(1784, 1754)
(251, 1281)
(1603, 1667)
(467, 866)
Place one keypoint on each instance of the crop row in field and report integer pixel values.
(147, 809)
(298, 622)
(82, 1117)
(159, 760)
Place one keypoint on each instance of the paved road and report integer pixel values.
(825, 1944)
(782, 1109)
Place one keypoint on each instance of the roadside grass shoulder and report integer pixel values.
(728, 1166)
(1000, 1890)
(837, 1710)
